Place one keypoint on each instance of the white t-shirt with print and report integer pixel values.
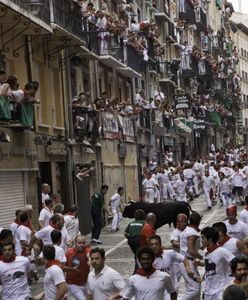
(244, 216)
(54, 276)
(13, 277)
(59, 254)
(217, 270)
(238, 230)
(188, 231)
(231, 246)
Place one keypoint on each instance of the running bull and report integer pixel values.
(166, 213)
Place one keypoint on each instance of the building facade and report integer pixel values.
(122, 83)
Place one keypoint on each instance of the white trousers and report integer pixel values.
(207, 197)
(167, 188)
(216, 296)
(149, 196)
(78, 292)
(192, 288)
(117, 217)
(226, 199)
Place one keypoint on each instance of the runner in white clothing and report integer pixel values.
(149, 187)
(115, 208)
(217, 261)
(225, 190)
(23, 236)
(235, 227)
(181, 189)
(207, 185)
(46, 213)
(243, 216)
(72, 222)
(233, 245)
(148, 283)
(13, 274)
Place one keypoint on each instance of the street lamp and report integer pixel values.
(34, 6)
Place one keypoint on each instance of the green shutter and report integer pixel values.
(214, 117)
(219, 3)
(5, 113)
(27, 114)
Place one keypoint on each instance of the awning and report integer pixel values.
(180, 125)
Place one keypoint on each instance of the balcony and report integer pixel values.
(201, 19)
(171, 37)
(161, 15)
(67, 15)
(111, 50)
(166, 74)
(186, 11)
(144, 119)
(189, 65)
(206, 43)
(133, 61)
(16, 114)
(89, 35)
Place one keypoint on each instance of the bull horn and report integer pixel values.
(127, 204)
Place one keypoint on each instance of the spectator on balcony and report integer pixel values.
(140, 99)
(45, 191)
(103, 34)
(185, 56)
(105, 99)
(158, 95)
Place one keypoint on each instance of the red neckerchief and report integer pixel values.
(17, 222)
(54, 226)
(160, 254)
(246, 208)
(195, 227)
(9, 260)
(211, 249)
(225, 239)
(53, 262)
(141, 272)
(236, 281)
(26, 225)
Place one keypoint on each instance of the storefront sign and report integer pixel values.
(182, 102)
(199, 124)
(110, 126)
(128, 130)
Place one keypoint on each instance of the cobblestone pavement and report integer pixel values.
(119, 255)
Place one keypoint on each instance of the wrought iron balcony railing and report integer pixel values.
(201, 19)
(186, 11)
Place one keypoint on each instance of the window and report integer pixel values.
(243, 75)
(244, 98)
(246, 122)
(245, 53)
(242, 51)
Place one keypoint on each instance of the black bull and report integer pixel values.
(166, 213)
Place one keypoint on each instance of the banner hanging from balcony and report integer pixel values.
(199, 124)
(182, 102)
(128, 130)
(181, 126)
(110, 126)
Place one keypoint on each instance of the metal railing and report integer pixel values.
(186, 11)
(134, 59)
(201, 19)
(67, 14)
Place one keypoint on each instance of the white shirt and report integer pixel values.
(181, 186)
(13, 277)
(44, 197)
(72, 226)
(13, 227)
(238, 230)
(188, 173)
(144, 288)
(45, 235)
(165, 263)
(238, 178)
(188, 231)
(115, 201)
(149, 183)
(23, 233)
(54, 276)
(217, 270)
(244, 216)
(105, 284)
(225, 186)
(45, 216)
(175, 236)
(207, 182)
(226, 171)
(231, 246)
(59, 254)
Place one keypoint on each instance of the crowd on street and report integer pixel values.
(75, 268)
